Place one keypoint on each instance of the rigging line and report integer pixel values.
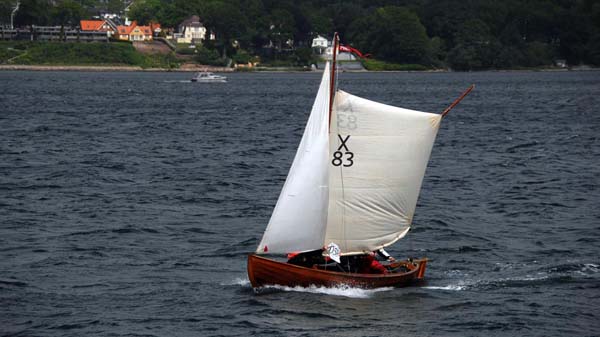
(337, 72)
(410, 244)
(332, 79)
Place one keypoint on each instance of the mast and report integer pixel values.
(332, 79)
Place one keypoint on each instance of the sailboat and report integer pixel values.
(352, 189)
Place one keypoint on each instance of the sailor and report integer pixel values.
(370, 265)
(383, 254)
(367, 263)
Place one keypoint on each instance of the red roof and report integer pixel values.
(91, 24)
(155, 26)
(126, 30)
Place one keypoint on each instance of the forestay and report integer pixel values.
(299, 218)
(378, 157)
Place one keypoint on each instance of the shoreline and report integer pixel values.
(17, 67)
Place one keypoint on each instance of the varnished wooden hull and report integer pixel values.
(263, 271)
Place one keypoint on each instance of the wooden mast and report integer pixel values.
(332, 79)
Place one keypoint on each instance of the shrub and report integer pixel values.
(210, 57)
(84, 53)
(376, 65)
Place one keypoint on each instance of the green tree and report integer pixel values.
(393, 34)
(6, 7)
(145, 11)
(466, 34)
(226, 21)
(538, 54)
(282, 27)
(593, 50)
(443, 18)
(115, 6)
(320, 24)
(67, 13)
(33, 12)
(209, 57)
(256, 32)
(343, 14)
(476, 48)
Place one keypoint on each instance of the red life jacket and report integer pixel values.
(371, 266)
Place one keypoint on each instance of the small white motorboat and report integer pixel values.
(208, 77)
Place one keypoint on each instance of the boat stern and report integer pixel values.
(422, 266)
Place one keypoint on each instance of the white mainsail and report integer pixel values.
(354, 183)
(299, 218)
(379, 154)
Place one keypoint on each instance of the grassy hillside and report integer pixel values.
(377, 65)
(74, 53)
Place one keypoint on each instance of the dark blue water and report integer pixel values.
(128, 203)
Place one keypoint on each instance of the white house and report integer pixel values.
(320, 44)
(190, 30)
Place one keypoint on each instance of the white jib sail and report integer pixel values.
(299, 218)
(378, 157)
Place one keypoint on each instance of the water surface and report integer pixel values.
(128, 203)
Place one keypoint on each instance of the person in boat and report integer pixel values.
(384, 255)
(307, 259)
(376, 267)
(368, 263)
(363, 264)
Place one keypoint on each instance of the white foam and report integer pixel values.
(451, 287)
(237, 282)
(526, 278)
(501, 282)
(588, 269)
(342, 290)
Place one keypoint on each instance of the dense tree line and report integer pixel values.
(461, 34)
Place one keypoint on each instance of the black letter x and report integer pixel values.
(344, 140)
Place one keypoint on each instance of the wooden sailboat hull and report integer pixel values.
(263, 271)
